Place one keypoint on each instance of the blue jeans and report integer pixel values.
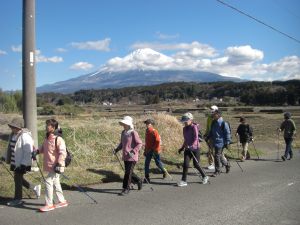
(157, 160)
(288, 147)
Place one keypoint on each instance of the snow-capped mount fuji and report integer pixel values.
(139, 68)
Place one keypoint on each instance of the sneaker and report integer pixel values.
(146, 180)
(124, 192)
(37, 190)
(205, 180)
(243, 158)
(164, 175)
(211, 167)
(182, 183)
(15, 202)
(61, 204)
(47, 208)
(140, 184)
(217, 173)
(283, 158)
(227, 168)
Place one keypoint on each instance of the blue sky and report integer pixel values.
(74, 38)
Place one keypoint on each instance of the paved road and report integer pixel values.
(267, 192)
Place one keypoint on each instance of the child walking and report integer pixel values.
(54, 150)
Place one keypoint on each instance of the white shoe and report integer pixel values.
(182, 184)
(205, 180)
(211, 167)
(34, 169)
(37, 190)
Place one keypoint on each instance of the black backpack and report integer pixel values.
(69, 156)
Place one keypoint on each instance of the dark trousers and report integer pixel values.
(288, 147)
(19, 182)
(219, 159)
(129, 175)
(188, 155)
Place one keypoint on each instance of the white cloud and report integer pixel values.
(100, 45)
(194, 49)
(238, 61)
(81, 66)
(162, 36)
(2, 52)
(243, 54)
(16, 48)
(61, 50)
(41, 58)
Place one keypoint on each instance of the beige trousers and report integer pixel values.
(53, 182)
(245, 149)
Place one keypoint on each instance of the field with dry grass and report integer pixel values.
(92, 136)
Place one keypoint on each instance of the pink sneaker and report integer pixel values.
(61, 204)
(47, 208)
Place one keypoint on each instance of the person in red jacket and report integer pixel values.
(152, 149)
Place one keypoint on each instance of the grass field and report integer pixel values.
(91, 136)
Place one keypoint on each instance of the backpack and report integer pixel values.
(69, 156)
(200, 135)
(223, 128)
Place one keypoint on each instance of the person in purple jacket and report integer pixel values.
(191, 149)
(130, 144)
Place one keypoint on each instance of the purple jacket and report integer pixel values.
(190, 135)
(130, 141)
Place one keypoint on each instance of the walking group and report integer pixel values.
(21, 152)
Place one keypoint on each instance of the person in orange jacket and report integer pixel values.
(152, 149)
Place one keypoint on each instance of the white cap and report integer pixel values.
(214, 108)
(127, 120)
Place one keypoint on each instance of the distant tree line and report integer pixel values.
(248, 93)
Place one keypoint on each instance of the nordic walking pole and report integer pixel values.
(119, 161)
(37, 163)
(14, 178)
(278, 144)
(238, 147)
(79, 188)
(235, 160)
(198, 164)
(255, 148)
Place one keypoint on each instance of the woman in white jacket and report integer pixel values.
(18, 155)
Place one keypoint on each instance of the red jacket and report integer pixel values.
(152, 140)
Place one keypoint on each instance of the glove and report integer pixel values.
(114, 151)
(2, 159)
(59, 168)
(34, 154)
(131, 154)
(21, 169)
(180, 150)
(250, 139)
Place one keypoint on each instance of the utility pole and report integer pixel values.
(28, 68)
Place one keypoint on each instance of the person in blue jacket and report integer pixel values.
(221, 138)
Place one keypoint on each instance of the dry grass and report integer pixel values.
(92, 137)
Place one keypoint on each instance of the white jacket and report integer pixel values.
(23, 149)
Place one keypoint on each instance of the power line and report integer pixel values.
(259, 21)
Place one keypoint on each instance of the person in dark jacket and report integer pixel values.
(244, 135)
(289, 128)
(220, 135)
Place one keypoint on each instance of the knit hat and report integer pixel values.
(149, 121)
(16, 123)
(186, 117)
(127, 120)
(287, 115)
